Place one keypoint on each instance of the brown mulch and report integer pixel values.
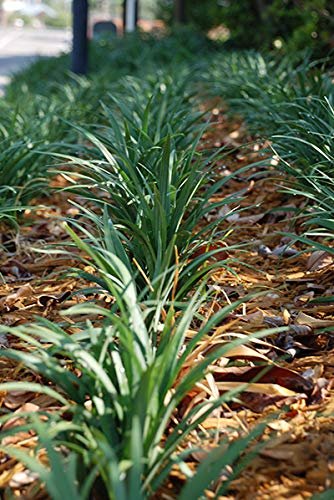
(295, 396)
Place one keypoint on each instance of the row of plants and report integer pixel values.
(289, 102)
(287, 98)
(116, 385)
(137, 54)
(34, 126)
(129, 148)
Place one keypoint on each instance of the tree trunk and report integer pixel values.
(80, 41)
(261, 9)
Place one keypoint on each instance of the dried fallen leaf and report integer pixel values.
(4, 344)
(271, 374)
(269, 389)
(300, 276)
(218, 255)
(16, 399)
(255, 318)
(318, 260)
(17, 419)
(49, 300)
(264, 251)
(300, 329)
(251, 219)
(239, 352)
(220, 423)
(7, 303)
(286, 316)
(274, 321)
(305, 319)
(285, 251)
(280, 426)
(268, 300)
(283, 452)
(244, 352)
(300, 300)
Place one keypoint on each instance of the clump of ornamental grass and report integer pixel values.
(117, 383)
(151, 187)
(27, 135)
(42, 100)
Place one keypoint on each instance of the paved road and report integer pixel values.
(20, 46)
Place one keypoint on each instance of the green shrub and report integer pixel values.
(258, 24)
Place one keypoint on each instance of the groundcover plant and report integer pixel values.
(115, 389)
(143, 171)
(30, 124)
(290, 103)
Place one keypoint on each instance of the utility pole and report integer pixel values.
(180, 11)
(130, 15)
(79, 63)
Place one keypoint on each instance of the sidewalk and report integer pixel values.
(20, 46)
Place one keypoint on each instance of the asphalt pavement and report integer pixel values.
(21, 46)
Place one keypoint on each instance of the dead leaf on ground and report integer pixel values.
(305, 319)
(245, 352)
(265, 374)
(212, 247)
(14, 299)
(285, 251)
(49, 300)
(241, 351)
(318, 260)
(255, 318)
(23, 478)
(16, 399)
(269, 389)
(280, 426)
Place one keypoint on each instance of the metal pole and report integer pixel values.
(137, 12)
(80, 41)
(130, 15)
(124, 15)
(180, 11)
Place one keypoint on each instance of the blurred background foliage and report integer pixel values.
(288, 25)
(263, 24)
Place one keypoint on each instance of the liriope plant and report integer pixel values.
(261, 87)
(150, 186)
(291, 104)
(116, 384)
(27, 135)
(305, 146)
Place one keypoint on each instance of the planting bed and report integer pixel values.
(173, 338)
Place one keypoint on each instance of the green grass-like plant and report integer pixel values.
(291, 104)
(118, 382)
(143, 171)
